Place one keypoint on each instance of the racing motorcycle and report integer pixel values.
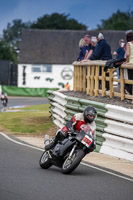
(68, 153)
(4, 102)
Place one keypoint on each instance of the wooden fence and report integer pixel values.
(87, 79)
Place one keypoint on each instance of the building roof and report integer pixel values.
(58, 46)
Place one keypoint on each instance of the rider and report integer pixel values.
(87, 117)
(4, 97)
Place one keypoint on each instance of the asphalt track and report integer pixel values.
(21, 178)
(20, 101)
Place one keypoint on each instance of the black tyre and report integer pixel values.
(70, 164)
(44, 161)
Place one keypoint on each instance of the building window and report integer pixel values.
(42, 68)
(36, 68)
(46, 68)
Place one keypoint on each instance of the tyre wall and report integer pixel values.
(114, 123)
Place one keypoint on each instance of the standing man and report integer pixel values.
(102, 52)
(89, 47)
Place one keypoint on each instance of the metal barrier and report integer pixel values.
(90, 77)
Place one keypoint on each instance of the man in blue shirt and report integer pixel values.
(120, 53)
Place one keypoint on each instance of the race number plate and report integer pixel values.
(87, 141)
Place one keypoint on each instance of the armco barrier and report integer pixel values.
(114, 123)
(57, 109)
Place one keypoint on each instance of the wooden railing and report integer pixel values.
(86, 79)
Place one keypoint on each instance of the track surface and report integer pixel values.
(21, 178)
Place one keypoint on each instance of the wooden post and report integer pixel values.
(92, 81)
(103, 82)
(97, 81)
(122, 83)
(78, 78)
(74, 78)
(111, 83)
(88, 79)
(84, 78)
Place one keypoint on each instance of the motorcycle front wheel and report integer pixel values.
(44, 161)
(71, 163)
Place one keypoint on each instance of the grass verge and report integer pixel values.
(31, 120)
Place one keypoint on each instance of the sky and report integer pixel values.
(88, 12)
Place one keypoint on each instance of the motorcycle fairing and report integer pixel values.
(85, 139)
(61, 147)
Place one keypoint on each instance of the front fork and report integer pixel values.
(73, 149)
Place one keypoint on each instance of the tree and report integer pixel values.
(9, 45)
(7, 52)
(57, 21)
(118, 21)
(12, 34)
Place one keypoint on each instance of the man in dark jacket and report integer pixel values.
(102, 52)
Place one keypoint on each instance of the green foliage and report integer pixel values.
(57, 21)
(118, 21)
(7, 52)
(12, 33)
(9, 44)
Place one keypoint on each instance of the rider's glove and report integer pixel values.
(70, 130)
(63, 133)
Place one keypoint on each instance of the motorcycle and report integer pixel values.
(4, 102)
(68, 153)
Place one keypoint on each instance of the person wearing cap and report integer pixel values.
(120, 53)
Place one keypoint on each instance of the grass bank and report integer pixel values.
(31, 120)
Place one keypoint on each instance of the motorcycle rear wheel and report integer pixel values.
(44, 161)
(70, 164)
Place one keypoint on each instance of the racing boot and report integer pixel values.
(52, 144)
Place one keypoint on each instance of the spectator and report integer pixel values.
(67, 86)
(102, 52)
(93, 45)
(83, 49)
(87, 39)
(120, 53)
(129, 59)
